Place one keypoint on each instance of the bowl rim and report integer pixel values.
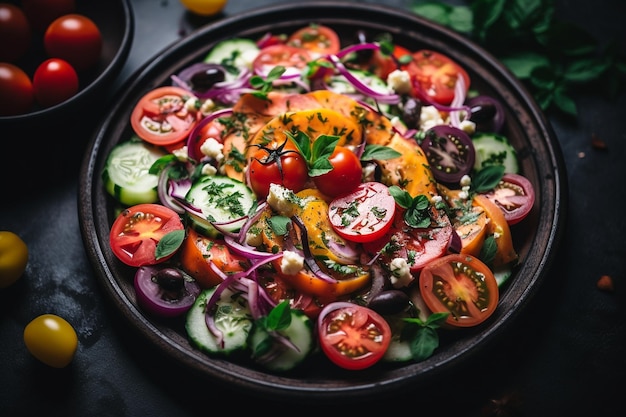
(551, 213)
(109, 73)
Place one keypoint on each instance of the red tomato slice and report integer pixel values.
(364, 215)
(352, 336)
(515, 195)
(434, 76)
(161, 117)
(461, 285)
(418, 246)
(318, 39)
(290, 57)
(136, 232)
(198, 252)
(383, 65)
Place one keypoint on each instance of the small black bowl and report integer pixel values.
(115, 20)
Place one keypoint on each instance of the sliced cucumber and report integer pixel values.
(494, 149)
(222, 199)
(234, 54)
(299, 332)
(232, 317)
(126, 175)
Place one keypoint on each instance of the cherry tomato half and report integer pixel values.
(450, 153)
(16, 90)
(41, 13)
(365, 214)
(461, 285)
(352, 336)
(277, 163)
(316, 38)
(55, 81)
(51, 339)
(290, 57)
(345, 175)
(161, 116)
(74, 38)
(15, 33)
(434, 76)
(136, 232)
(515, 195)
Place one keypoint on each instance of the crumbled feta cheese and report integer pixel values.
(400, 273)
(291, 263)
(399, 81)
(207, 106)
(463, 195)
(254, 238)
(468, 127)
(368, 172)
(284, 201)
(213, 149)
(466, 181)
(430, 117)
(208, 169)
(279, 198)
(192, 103)
(181, 154)
(436, 199)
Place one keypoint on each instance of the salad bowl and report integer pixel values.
(535, 240)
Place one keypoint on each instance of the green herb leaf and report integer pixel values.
(279, 224)
(169, 244)
(379, 152)
(487, 178)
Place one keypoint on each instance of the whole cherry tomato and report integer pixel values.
(76, 39)
(345, 175)
(16, 90)
(15, 33)
(41, 13)
(51, 339)
(13, 258)
(55, 81)
(277, 163)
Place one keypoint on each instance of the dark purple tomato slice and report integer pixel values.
(515, 195)
(450, 153)
(164, 291)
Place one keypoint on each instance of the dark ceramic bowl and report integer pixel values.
(536, 240)
(115, 20)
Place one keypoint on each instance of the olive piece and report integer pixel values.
(389, 302)
(483, 112)
(206, 78)
(170, 280)
(411, 112)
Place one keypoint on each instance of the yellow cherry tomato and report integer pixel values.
(13, 258)
(204, 7)
(51, 339)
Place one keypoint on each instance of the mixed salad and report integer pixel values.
(291, 197)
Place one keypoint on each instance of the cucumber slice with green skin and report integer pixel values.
(232, 317)
(299, 332)
(494, 149)
(221, 199)
(233, 54)
(126, 175)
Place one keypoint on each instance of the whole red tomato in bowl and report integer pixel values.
(88, 42)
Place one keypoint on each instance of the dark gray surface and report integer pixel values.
(567, 357)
